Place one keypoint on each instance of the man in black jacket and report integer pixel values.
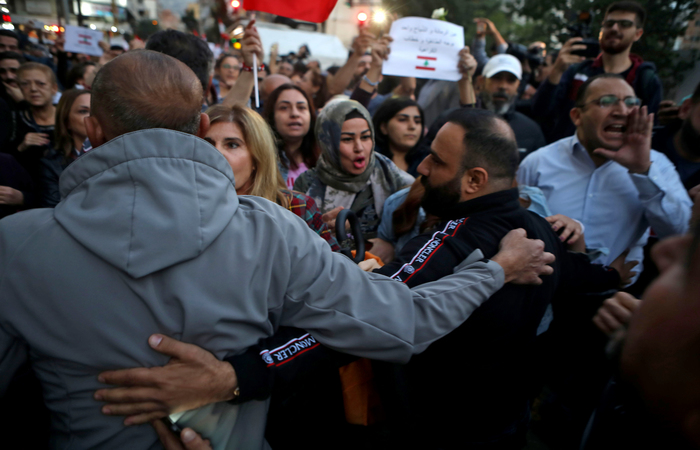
(470, 388)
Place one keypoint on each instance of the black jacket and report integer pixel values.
(528, 133)
(471, 386)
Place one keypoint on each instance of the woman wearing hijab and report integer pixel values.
(349, 174)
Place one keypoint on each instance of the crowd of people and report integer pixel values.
(512, 282)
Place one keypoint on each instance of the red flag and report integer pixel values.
(308, 10)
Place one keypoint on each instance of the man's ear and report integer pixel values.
(94, 131)
(204, 125)
(684, 110)
(474, 180)
(638, 34)
(575, 115)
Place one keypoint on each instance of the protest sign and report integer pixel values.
(425, 48)
(83, 40)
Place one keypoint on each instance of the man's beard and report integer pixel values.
(615, 49)
(499, 107)
(439, 200)
(690, 139)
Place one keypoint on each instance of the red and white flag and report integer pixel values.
(308, 10)
(426, 62)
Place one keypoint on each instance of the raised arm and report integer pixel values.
(338, 82)
(241, 90)
(467, 66)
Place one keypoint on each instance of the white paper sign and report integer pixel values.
(83, 40)
(425, 48)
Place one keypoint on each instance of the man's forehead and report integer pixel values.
(609, 86)
(615, 15)
(11, 63)
(448, 141)
(8, 40)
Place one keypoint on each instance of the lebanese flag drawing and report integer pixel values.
(426, 62)
(308, 10)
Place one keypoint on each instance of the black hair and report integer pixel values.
(583, 90)
(630, 6)
(223, 56)
(9, 33)
(485, 144)
(12, 55)
(300, 68)
(187, 48)
(386, 111)
(354, 114)
(76, 72)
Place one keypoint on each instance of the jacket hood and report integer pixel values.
(147, 200)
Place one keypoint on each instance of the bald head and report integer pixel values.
(272, 82)
(143, 89)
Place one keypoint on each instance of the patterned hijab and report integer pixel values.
(381, 175)
(328, 125)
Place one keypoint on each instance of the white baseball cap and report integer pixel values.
(503, 63)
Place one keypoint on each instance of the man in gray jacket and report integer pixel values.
(150, 236)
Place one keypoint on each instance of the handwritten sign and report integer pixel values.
(83, 40)
(424, 48)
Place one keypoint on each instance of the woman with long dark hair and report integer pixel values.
(399, 124)
(292, 116)
(226, 71)
(69, 136)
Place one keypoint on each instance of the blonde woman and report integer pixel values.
(246, 141)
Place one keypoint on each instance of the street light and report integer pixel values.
(380, 16)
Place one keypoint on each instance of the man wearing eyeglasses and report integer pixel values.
(606, 175)
(622, 26)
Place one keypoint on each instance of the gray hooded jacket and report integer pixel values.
(150, 237)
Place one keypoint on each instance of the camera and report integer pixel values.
(533, 55)
(581, 27)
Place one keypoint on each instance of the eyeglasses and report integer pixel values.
(229, 66)
(622, 24)
(608, 101)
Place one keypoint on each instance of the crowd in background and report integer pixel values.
(594, 158)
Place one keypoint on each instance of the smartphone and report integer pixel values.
(592, 49)
(480, 28)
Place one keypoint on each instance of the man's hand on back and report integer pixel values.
(523, 260)
(192, 378)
